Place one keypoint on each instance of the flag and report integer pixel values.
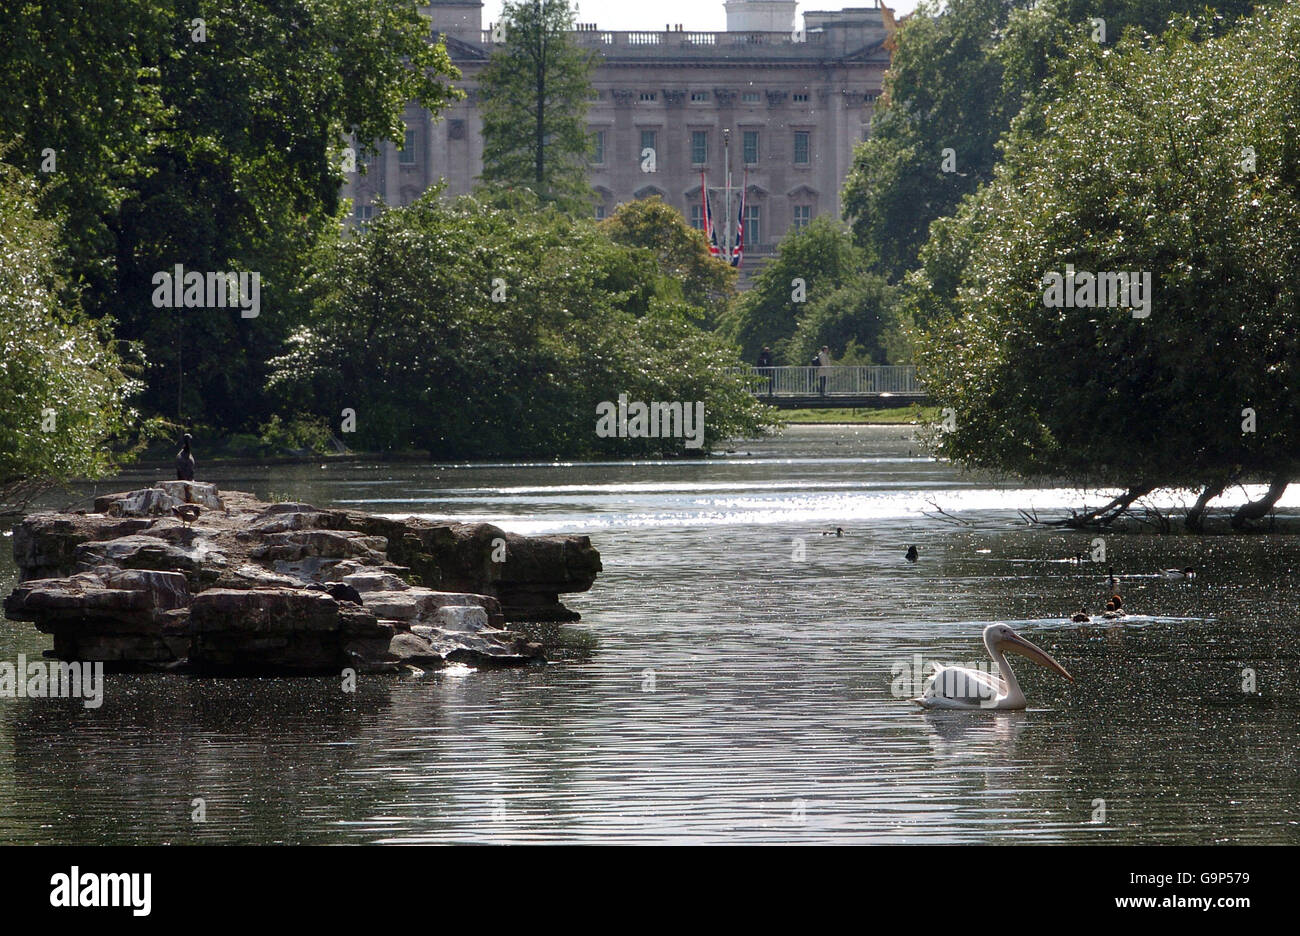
(738, 252)
(709, 232)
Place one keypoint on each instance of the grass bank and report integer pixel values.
(898, 416)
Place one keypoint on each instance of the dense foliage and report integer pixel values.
(467, 330)
(1171, 156)
(813, 292)
(960, 72)
(64, 388)
(534, 93)
(208, 135)
(681, 252)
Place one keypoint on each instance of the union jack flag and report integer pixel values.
(738, 252)
(709, 232)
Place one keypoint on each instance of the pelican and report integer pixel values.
(1176, 574)
(957, 687)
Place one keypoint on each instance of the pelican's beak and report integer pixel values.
(1017, 644)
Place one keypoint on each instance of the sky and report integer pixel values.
(701, 15)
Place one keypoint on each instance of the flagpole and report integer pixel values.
(726, 175)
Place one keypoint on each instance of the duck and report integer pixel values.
(1176, 574)
(1114, 608)
(186, 513)
(839, 531)
(910, 555)
(1079, 617)
(185, 460)
(339, 591)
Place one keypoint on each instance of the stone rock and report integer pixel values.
(320, 544)
(201, 564)
(528, 583)
(109, 615)
(160, 499)
(130, 585)
(279, 629)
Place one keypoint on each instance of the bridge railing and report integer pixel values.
(841, 380)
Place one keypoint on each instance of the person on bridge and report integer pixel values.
(823, 363)
(765, 367)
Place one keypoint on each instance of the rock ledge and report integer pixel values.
(251, 587)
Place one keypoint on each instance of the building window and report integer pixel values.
(800, 97)
(699, 97)
(649, 96)
(697, 217)
(801, 147)
(751, 147)
(362, 214)
(699, 147)
(598, 147)
(407, 155)
(600, 212)
(802, 215)
(749, 97)
(752, 229)
(647, 143)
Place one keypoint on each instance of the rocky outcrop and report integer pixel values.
(140, 582)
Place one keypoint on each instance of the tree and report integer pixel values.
(856, 321)
(64, 387)
(211, 138)
(934, 139)
(681, 252)
(959, 75)
(534, 93)
(809, 264)
(468, 331)
(1170, 157)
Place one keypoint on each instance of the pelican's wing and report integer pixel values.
(960, 687)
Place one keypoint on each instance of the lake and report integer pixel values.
(740, 678)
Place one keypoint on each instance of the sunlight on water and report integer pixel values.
(751, 681)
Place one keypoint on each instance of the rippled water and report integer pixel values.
(735, 693)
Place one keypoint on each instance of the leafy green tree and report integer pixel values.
(534, 93)
(960, 73)
(469, 331)
(694, 275)
(216, 145)
(808, 265)
(934, 138)
(856, 321)
(1171, 157)
(64, 388)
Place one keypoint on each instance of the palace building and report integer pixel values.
(789, 99)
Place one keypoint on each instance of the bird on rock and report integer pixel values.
(339, 591)
(185, 461)
(186, 513)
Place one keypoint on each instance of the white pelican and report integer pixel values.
(958, 687)
(1186, 573)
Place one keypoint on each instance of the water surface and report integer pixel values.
(745, 680)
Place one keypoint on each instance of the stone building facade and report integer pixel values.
(789, 101)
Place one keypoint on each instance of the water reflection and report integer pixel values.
(742, 686)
